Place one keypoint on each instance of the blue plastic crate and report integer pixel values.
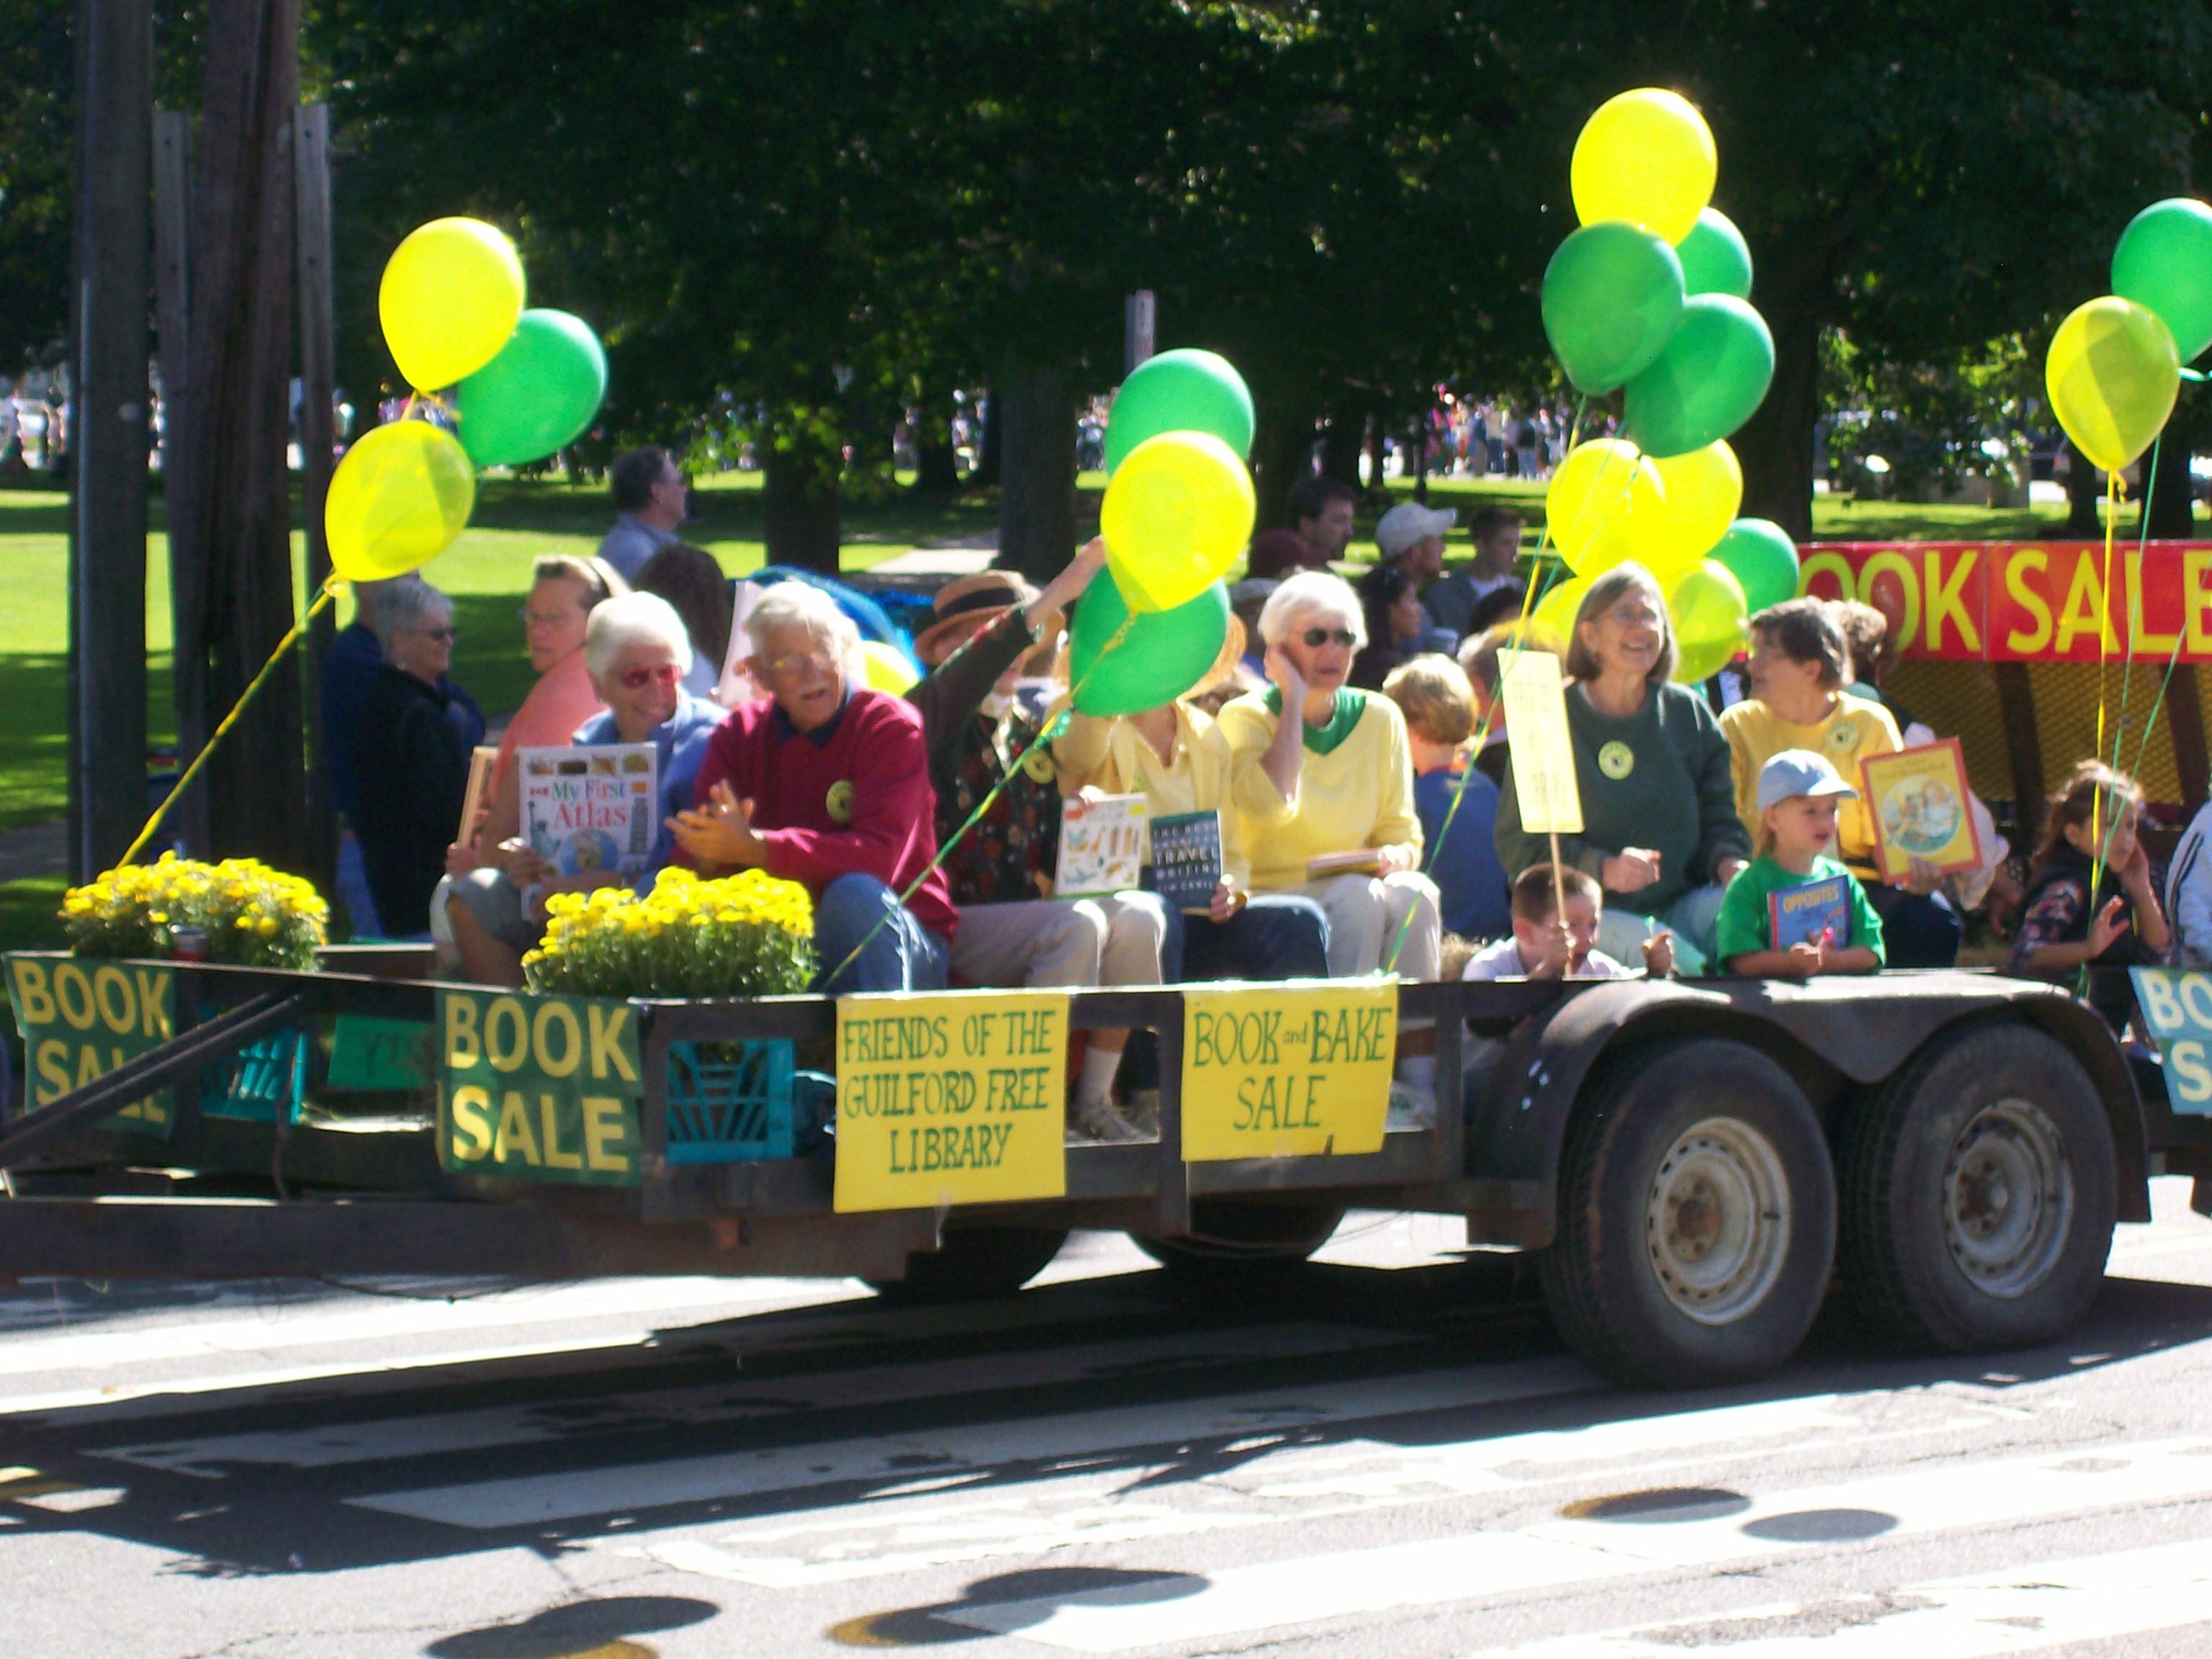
(262, 1083)
(730, 1102)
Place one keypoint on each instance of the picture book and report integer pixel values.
(1102, 846)
(1187, 859)
(1917, 798)
(594, 808)
(1802, 915)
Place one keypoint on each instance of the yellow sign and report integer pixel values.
(959, 1098)
(1288, 1070)
(81, 1019)
(1543, 752)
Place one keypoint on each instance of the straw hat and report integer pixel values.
(967, 604)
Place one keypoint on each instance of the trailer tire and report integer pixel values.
(974, 1264)
(1232, 1239)
(1980, 1189)
(1696, 1219)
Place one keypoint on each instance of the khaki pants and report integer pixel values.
(1095, 941)
(1365, 914)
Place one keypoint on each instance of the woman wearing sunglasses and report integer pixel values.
(637, 653)
(1323, 774)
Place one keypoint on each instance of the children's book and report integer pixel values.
(1804, 914)
(592, 808)
(1102, 846)
(1917, 800)
(1187, 859)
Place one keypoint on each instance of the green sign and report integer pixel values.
(387, 1055)
(536, 1088)
(81, 1019)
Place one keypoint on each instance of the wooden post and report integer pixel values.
(2023, 746)
(108, 442)
(2184, 724)
(1559, 884)
(173, 209)
(311, 169)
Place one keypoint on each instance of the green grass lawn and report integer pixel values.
(515, 521)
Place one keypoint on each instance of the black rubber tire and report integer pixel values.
(975, 1264)
(1233, 1238)
(1903, 1283)
(1600, 1277)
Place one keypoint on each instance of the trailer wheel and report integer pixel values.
(1696, 1219)
(974, 1264)
(1978, 1195)
(1232, 1239)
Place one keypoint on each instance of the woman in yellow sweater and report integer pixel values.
(1796, 671)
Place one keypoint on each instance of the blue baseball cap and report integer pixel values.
(1799, 772)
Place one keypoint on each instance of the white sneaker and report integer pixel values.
(1410, 1109)
(1099, 1121)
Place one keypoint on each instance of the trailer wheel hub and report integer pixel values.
(2007, 1198)
(1717, 1224)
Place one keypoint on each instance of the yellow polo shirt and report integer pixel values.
(1355, 785)
(1110, 754)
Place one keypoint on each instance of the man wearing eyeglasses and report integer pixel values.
(651, 499)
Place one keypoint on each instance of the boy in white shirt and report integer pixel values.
(1547, 945)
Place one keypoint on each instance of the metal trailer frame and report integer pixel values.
(92, 1203)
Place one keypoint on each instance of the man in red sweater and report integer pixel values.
(827, 784)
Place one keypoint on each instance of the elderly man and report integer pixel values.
(636, 652)
(983, 749)
(824, 782)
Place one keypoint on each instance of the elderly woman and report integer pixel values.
(824, 782)
(1798, 670)
(1323, 772)
(410, 757)
(1661, 831)
(636, 653)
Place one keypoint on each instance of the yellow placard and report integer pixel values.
(956, 1097)
(1287, 1070)
(1543, 753)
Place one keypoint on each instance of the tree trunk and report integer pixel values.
(1375, 452)
(1035, 413)
(1776, 445)
(2171, 515)
(798, 503)
(2084, 489)
(237, 515)
(1341, 443)
(1282, 453)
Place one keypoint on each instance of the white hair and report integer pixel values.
(399, 606)
(801, 605)
(1316, 593)
(628, 619)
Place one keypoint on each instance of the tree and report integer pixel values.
(37, 118)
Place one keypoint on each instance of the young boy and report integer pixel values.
(1438, 704)
(1798, 790)
(1547, 945)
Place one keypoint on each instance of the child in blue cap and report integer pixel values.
(1828, 927)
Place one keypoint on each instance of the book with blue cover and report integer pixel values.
(1187, 859)
(1803, 915)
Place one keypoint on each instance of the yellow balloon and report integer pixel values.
(1704, 493)
(1557, 611)
(397, 499)
(2112, 374)
(1706, 605)
(1646, 156)
(451, 293)
(1604, 503)
(1178, 510)
(888, 670)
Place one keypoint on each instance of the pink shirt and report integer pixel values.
(561, 701)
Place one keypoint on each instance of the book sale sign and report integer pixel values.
(1287, 1070)
(959, 1098)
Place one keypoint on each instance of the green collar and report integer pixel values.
(1323, 739)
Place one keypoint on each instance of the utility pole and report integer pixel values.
(108, 436)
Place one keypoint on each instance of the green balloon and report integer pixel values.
(1760, 556)
(1706, 383)
(2163, 264)
(1716, 260)
(1163, 654)
(1613, 294)
(540, 393)
(1185, 390)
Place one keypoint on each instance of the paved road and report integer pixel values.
(1392, 1455)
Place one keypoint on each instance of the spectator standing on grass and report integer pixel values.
(651, 499)
(1451, 599)
(410, 764)
(690, 579)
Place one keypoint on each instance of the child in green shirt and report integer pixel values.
(1797, 794)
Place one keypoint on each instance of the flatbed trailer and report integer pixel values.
(1694, 1165)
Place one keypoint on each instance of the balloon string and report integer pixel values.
(330, 591)
(1050, 719)
(2133, 605)
(2112, 491)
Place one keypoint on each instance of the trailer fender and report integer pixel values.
(1860, 1029)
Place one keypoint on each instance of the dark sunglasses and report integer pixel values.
(635, 679)
(1317, 637)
